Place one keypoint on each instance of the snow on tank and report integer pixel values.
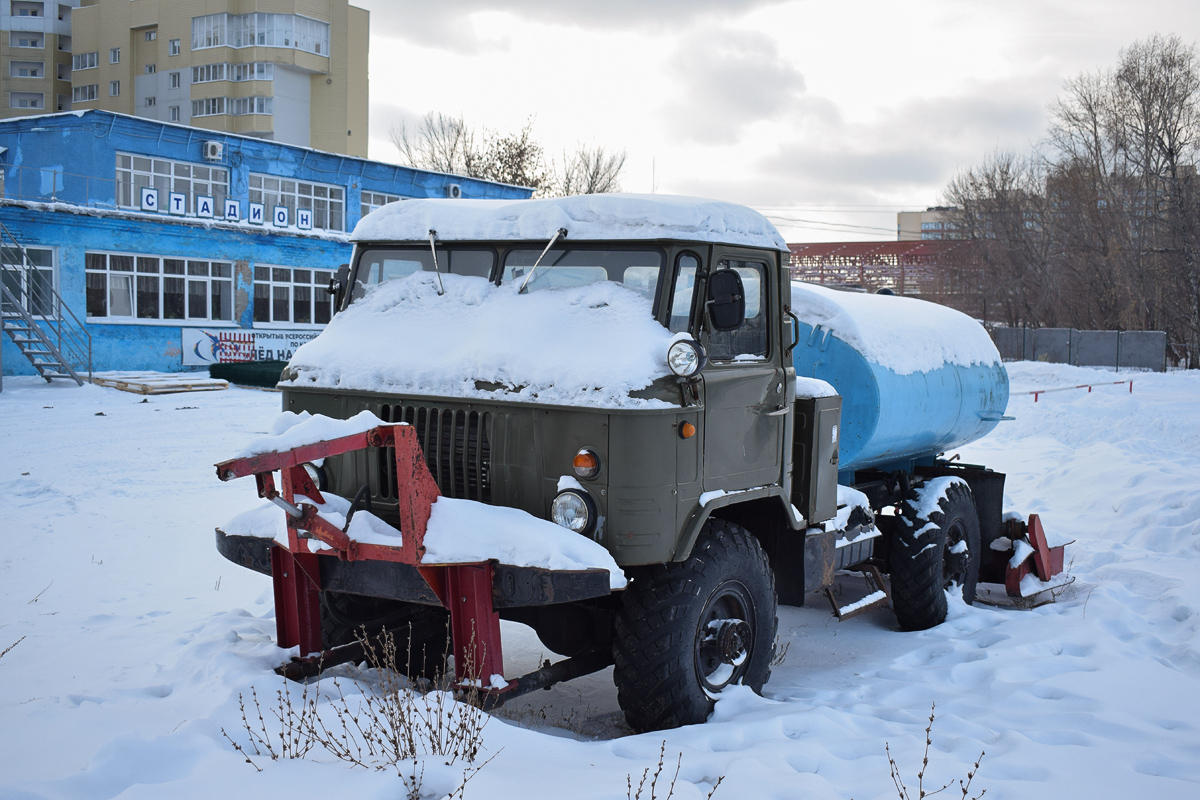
(594, 217)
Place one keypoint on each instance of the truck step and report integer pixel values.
(877, 595)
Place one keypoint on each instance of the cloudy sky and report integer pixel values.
(829, 117)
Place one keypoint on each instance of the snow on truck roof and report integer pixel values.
(603, 217)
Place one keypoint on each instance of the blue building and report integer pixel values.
(174, 247)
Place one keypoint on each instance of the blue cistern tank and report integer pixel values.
(916, 378)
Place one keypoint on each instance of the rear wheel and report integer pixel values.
(420, 633)
(689, 630)
(936, 548)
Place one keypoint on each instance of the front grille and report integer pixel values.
(456, 447)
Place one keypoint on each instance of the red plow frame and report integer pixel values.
(464, 589)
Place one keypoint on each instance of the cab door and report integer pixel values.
(745, 386)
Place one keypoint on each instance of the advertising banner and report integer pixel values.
(233, 345)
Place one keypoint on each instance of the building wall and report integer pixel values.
(932, 223)
(332, 108)
(60, 192)
(53, 24)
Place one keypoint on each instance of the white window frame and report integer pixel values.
(151, 35)
(173, 113)
(259, 29)
(114, 88)
(86, 93)
(151, 101)
(215, 271)
(15, 66)
(136, 171)
(35, 99)
(209, 107)
(22, 289)
(85, 61)
(114, 55)
(329, 212)
(17, 37)
(372, 200)
(175, 81)
(150, 69)
(280, 283)
(173, 47)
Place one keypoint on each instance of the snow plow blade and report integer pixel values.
(1025, 563)
(319, 556)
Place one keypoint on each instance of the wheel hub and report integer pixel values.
(732, 641)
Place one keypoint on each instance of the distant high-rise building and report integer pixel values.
(932, 223)
(35, 56)
(292, 71)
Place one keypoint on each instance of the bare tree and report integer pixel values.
(591, 170)
(440, 143)
(1109, 214)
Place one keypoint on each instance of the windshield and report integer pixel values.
(386, 264)
(561, 268)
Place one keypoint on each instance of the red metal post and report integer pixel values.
(474, 624)
(417, 492)
(297, 582)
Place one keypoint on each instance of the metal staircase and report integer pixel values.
(34, 316)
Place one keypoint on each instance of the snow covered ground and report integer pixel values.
(136, 637)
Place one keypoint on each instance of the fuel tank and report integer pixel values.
(916, 378)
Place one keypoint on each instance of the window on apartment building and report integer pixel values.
(241, 106)
(64, 43)
(261, 30)
(208, 107)
(176, 80)
(82, 94)
(33, 286)
(24, 8)
(374, 200)
(151, 36)
(114, 55)
(151, 101)
(174, 113)
(257, 71)
(64, 104)
(114, 88)
(193, 180)
(85, 61)
(173, 47)
(64, 12)
(64, 72)
(26, 100)
(207, 73)
(151, 69)
(26, 39)
(137, 286)
(292, 295)
(27, 69)
(326, 202)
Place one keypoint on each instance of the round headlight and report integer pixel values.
(573, 510)
(686, 358)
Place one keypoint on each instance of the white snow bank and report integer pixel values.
(463, 531)
(902, 334)
(814, 387)
(603, 217)
(292, 430)
(585, 346)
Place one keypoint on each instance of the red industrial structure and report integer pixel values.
(944, 271)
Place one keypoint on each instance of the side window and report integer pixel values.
(750, 340)
(681, 295)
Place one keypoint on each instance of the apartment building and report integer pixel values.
(932, 223)
(291, 71)
(35, 56)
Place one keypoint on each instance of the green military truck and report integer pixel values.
(642, 372)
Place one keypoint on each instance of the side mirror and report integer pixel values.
(726, 300)
(337, 285)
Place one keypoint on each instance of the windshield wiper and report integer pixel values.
(433, 249)
(561, 233)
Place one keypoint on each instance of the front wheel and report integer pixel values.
(688, 630)
(935, 549)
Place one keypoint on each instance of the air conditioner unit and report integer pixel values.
(214, 151)
(453, 191)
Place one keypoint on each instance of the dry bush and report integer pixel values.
(385, 724)
(652, 787)
(964, 785)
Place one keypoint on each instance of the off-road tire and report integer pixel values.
(921, 574)
(420, 633)
(660, 669)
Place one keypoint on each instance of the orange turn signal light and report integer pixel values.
(586, 464)
(687, 430)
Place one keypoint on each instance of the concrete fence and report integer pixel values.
(1118, 349)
